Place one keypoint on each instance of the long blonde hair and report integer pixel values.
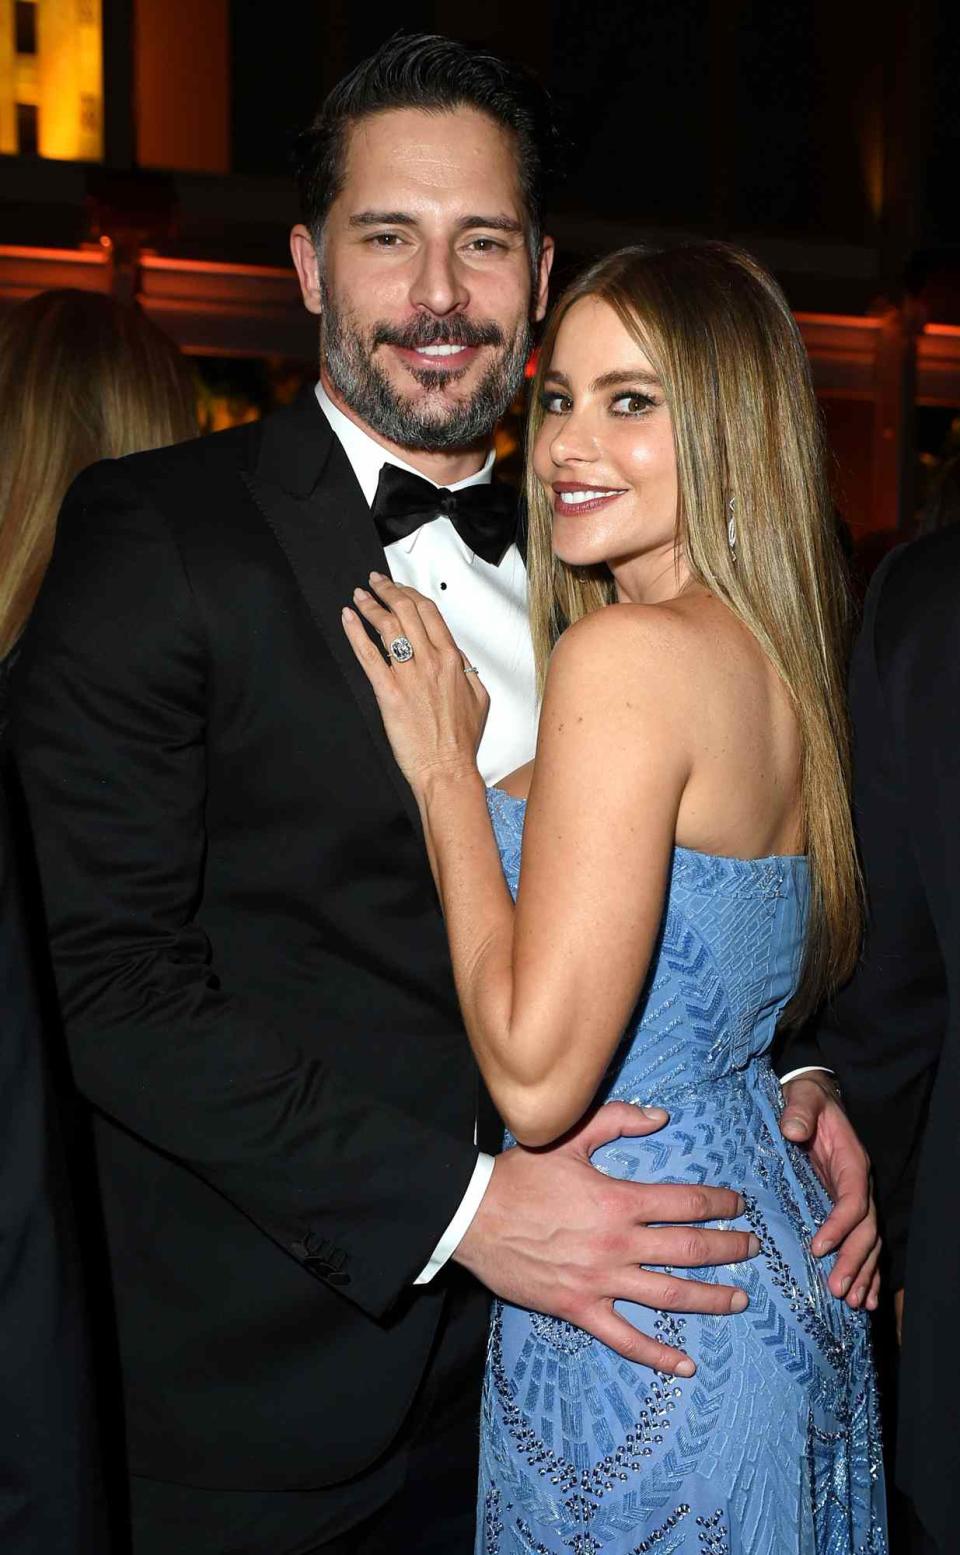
(82, 377)
(720, 335)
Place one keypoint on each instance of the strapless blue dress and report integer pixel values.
(773, 1447)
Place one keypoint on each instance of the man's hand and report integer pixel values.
(813, 1117)
(556, 1235)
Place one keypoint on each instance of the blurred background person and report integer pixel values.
(943, 504)
(82, 377)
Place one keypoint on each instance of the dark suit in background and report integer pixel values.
(50, 1489)
(893, 1035)
(254, 978)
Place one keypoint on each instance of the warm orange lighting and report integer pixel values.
(871, 147)
(55, 93)
(182, 83)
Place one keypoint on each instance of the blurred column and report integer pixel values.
(899, 160)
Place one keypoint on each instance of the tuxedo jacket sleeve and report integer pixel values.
(884, 1032)
(108, 726)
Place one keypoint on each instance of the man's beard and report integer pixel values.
(428, 427)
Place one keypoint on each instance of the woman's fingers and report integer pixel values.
(371, 661)
(415, 610)
(403, 605)
(383, 621)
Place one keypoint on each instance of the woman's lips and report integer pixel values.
(568, 498)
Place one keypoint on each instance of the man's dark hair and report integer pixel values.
(436, 75)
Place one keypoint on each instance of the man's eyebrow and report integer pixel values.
(382, 219)
(495, 223)
(500, 223)
(610, 380)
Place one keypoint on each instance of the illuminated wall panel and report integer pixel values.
(182, 84)
(51, 88)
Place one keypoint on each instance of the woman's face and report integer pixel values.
(605, 452)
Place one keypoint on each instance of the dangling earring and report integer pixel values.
(732, 526)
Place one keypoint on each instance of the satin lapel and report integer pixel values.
(328, 538)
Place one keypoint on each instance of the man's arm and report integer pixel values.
(108, 731)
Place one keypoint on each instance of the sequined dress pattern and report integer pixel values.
(773, 1447)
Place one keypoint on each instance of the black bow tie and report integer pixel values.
(485, 517)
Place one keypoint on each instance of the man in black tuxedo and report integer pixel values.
(251, 962)
(893, 1035)
(50, 1491)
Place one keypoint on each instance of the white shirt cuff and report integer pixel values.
(807, 1069)
(460, 1224)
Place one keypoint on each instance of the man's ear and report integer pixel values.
(308, 268)
(547, 250)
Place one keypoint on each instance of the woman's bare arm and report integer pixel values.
(548, 988)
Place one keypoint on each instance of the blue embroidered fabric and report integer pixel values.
(773, 1447)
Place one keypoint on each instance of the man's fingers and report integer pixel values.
(613, 1330)
(683, 1248)
(855, 1249)
(854, 1207)
(798, 1125)
(805, 1099)
(852, 1277)
(866, 1281)
(671, 1293)
(616, 1119)
(675, 1203)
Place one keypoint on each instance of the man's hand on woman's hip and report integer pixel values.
(813, 1118)
(556, 1235)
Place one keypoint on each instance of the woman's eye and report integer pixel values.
(631, 404)
(554, 404)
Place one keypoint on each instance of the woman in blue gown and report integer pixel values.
(688, 879)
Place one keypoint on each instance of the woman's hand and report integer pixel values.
(433, 706)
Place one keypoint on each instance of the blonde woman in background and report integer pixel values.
(82, 377)
(688, 876)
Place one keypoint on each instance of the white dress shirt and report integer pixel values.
(485, 608)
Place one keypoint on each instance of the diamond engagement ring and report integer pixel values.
(401, 650)
(470, 669)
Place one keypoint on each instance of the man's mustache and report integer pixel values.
(432, 332)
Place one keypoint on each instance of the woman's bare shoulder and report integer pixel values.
(658, 645)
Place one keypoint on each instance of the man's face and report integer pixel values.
(423, 282)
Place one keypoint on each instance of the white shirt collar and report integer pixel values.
(367, 457)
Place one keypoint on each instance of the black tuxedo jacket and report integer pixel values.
(893, 1035)
(250, 957)
(50, 1490)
